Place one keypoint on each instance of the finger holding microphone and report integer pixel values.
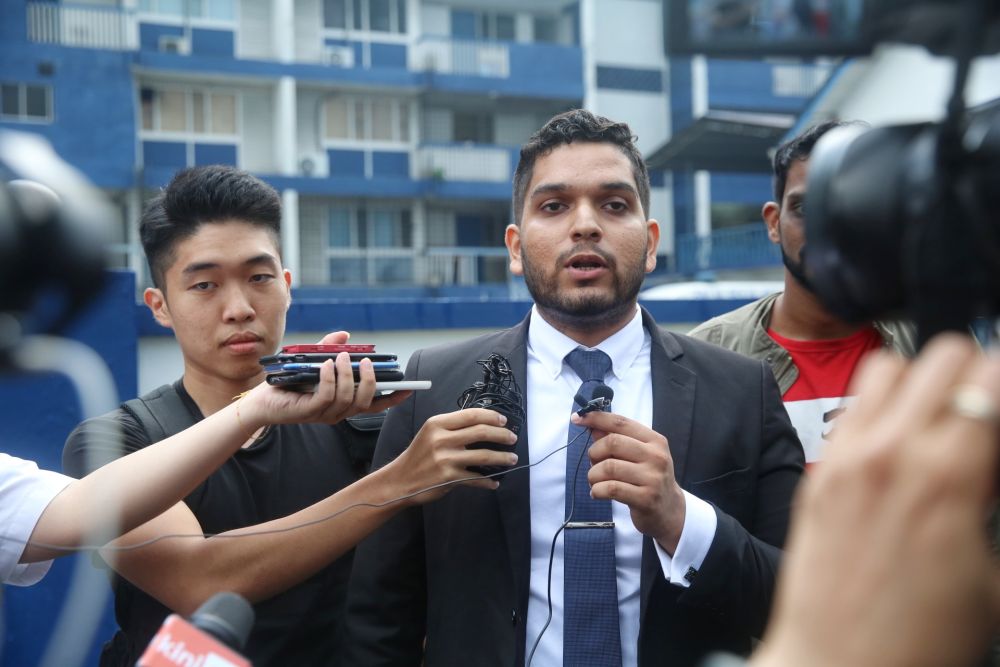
(440, 453)
(631, 463)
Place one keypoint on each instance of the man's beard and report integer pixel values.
(588, 311)
(796, 267)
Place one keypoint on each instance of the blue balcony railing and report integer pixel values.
(741, 247)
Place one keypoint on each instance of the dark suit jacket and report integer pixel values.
(457, 570)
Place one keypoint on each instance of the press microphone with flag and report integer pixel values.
(497, 391)
(213, 636)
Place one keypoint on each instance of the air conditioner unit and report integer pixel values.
(175, 44)
(338, 56)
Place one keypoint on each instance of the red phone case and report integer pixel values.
(350, 347)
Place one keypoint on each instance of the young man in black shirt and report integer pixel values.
(211, 239)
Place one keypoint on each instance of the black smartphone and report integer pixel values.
(320, 357)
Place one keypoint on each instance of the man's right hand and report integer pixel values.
(439, 454)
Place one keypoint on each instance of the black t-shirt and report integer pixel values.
(289, 468)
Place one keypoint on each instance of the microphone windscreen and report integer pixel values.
(580, 400)
(603, 391)
(226, 616)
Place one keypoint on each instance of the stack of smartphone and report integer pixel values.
(297, 366)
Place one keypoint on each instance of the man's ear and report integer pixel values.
(288, 288)
(156, 301)
(771, 212)
(512, 238)
(652, 243)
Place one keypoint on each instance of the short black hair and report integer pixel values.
(799, 148)
(202, 195)
(578, 125)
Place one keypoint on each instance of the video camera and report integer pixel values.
(54, 230)
(900, 220)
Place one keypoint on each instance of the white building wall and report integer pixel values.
(907, 85)
(628, 33)
(435, 20)
(308, 30)
(257, 148)
(309, 113)
(254, 36)
(648, 114)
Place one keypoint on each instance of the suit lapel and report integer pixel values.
(513, 494)
(673, 414)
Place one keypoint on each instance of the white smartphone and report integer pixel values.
(403, 385)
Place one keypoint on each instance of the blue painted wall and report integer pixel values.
(747, 84)
(87, 85)
(630, 78)
(36, 415)
(219, 43)
(215, 154)
(391, 164)
(740, 188)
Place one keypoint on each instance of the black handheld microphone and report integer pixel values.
(214, 634)
(601, 400)
(498, 391)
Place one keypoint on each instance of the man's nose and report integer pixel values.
(585, 222)
(238, 306)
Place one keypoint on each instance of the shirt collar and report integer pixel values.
(550, 346)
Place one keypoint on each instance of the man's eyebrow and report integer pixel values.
(547, 188)
(196, 267)
(263, 258)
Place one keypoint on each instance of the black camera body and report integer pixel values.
(902, 220)
(54, 230)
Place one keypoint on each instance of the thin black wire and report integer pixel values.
(274, 531)
(552, 549)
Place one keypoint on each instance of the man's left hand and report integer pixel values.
(631, 463)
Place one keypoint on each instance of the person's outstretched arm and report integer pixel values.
(263, 560)
(131, 490)
(890, 562)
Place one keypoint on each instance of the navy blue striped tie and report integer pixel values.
(590, 594)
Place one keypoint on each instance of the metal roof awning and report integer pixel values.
(723, 141)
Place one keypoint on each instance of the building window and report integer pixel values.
(378, 227)
(24, 102)
(367, 15)
(219, 10)
(383, 119)
(495, 26)
(198, 111)
(382, 235)
(546, 29)
(477, 128)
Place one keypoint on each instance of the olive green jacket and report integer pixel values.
(744, 330)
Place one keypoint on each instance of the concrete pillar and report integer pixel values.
(283, 30)
(290, 243)
(588, 40)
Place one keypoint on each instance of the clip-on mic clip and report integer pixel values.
(601, 402)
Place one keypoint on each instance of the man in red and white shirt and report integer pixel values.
(813, 353)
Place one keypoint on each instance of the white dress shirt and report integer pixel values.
(552, 384)
(25, 492)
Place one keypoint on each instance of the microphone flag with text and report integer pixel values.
(213, 636)
(497, 391)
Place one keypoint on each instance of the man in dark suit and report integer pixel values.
(674, 517)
